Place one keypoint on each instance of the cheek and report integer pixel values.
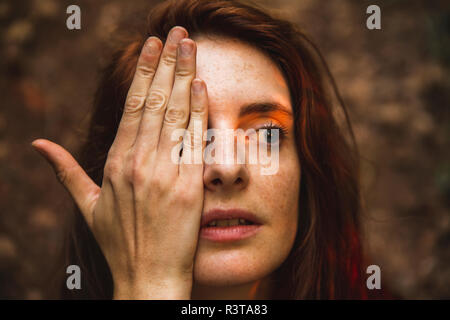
(280, 192)
(275, 197)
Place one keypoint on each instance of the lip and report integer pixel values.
(219, 214)
(226, 234)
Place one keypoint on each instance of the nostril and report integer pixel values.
(239, 180)
(216, 182)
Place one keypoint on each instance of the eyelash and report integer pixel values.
(282, 129)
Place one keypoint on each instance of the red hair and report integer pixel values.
(326, 260)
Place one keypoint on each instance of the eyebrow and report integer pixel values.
(263, 107)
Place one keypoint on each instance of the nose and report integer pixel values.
(225, 177)
(225, 173)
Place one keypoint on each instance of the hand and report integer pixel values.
(146, 215)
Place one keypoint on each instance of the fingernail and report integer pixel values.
(35, 144)
(40, 151)
(153, 47)
(197, 86)
(186, 48)
(177, 34)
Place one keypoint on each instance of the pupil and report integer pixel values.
(270, 136)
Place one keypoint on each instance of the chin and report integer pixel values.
(233, 266)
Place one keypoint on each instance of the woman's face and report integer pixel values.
(236, 76)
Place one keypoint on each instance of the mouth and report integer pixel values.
(229, 225)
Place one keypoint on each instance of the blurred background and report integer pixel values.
(395, 82)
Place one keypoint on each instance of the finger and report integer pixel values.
(159, 93)
(178, 108)
(132, 113)
(192, 157)
(80, 186)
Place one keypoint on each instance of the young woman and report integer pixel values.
(147, 227)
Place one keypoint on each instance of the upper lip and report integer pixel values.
(221, 214)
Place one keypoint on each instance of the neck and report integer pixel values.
(257, 290)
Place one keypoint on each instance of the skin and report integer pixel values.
(146, 215)
(228, 270)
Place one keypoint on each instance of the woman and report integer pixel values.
(148, 227)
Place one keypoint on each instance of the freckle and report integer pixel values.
(248, 66)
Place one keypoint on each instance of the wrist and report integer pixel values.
(172, 289)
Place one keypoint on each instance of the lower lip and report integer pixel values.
(226, 234)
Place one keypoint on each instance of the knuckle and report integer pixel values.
(135, 173)
(169, 59)
(156, 101)
(62, 176)
(138, 176)
(197, 141)
(112, 153)
(182, 73)
(146, 71)
(134, 103)
(174, 115)
(112, 168)
(66, 176)
(198, 110)
(156, 184)
(192, 140)
(185, 198)
(193, 194)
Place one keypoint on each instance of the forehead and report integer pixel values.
(237, 74)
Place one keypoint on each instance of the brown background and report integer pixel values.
(395, 82)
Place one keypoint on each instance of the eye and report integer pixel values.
(270, 136)
(272, 133)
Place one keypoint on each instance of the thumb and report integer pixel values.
(80, 186)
